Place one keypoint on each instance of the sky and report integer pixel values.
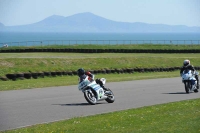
(170, 12)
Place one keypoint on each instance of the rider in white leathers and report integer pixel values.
(187, 65)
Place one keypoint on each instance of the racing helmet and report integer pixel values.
(186, 62)
(80, 72)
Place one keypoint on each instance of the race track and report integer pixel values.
(32, 106)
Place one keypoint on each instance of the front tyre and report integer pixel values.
(90, 97)
(196, 91)
(111, 97)
(187, 86)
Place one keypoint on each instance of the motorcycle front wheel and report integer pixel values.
(187, 86)
(111, 97)
(90, 97)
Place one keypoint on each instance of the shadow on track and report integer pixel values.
(75, 104)
(175, 93)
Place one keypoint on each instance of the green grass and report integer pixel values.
(72, 80)
(175, 117)
(96, 55)
(37, 62)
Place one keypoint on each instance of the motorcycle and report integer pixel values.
(93, 92)
(189, 80)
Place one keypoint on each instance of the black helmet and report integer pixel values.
(186, 62)
(80, 72)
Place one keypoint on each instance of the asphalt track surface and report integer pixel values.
(21, 108)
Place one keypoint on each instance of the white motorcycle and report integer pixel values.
(189, 80)
(93, 92)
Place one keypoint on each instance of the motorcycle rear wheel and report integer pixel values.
(90, 97)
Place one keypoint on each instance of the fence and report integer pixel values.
(100, 42)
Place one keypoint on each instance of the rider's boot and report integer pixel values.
(101, 84)
(197, 84)
(106, 91)
(197, 78)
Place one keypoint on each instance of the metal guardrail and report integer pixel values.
(99, 42)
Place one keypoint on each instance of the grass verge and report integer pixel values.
(175, 117)
(40, 62)
(72, 80)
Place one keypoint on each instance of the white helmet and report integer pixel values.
(186, 62)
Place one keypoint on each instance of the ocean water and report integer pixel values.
(27, 39)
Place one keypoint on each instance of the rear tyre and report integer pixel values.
(90, 97)
(111, 97)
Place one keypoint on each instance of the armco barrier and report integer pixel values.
(36, 75)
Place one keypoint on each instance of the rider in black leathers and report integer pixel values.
(187, 65)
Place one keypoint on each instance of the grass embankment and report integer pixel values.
(72, 80)
(178, 117)
(37, 62)
(17, 63)
(120, 46)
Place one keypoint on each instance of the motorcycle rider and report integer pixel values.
(82, 75)
(187, 65)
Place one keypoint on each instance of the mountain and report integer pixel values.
(1, 25)
(88, 22)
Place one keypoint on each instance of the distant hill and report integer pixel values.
(90, 23)
(1, 25)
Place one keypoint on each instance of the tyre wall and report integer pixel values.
(71, 50)
(36, 75)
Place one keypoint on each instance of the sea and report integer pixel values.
(44, 38)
